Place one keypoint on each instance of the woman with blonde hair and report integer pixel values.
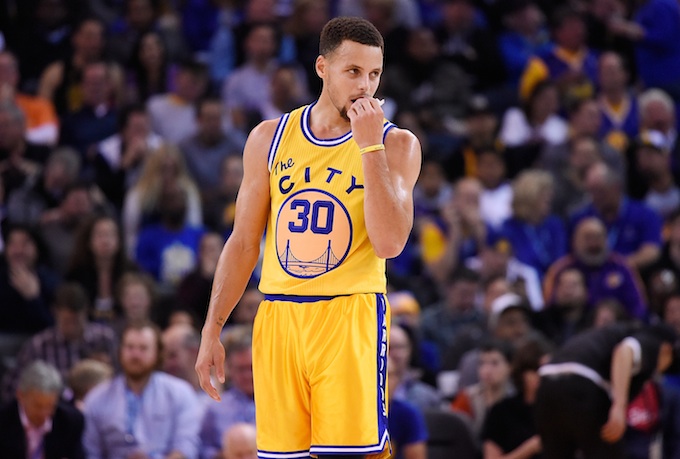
(162, 170)
(537, 237)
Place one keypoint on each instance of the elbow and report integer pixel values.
(389, 249)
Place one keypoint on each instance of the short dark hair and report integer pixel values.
(72, 297)
(354, 29)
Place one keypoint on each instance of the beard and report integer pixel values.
(594, 258)
(136, 370)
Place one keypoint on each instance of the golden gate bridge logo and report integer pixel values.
(313, 233)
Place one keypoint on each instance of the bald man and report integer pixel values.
(607, 274)
(238, 442)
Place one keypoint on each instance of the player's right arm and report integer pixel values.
(240, 253)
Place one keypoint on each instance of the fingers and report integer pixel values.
(203, 371)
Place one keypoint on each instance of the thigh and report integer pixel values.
(346, 353)
(281, 389)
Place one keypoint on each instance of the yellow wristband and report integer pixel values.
(370, 148)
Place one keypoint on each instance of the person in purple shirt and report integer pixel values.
(633, 229)
(142, 413)
(607, 274)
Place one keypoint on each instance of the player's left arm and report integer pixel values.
(388, 192)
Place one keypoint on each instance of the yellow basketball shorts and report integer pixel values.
(320, 374)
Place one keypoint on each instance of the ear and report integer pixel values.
(320, 66)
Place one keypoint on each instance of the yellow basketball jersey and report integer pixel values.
(316, 242)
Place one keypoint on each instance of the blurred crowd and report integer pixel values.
(548, 203)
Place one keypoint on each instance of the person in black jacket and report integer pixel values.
(583, 398)
(36, 424)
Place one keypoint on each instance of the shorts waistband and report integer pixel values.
(300, 298)
(309, 299)
(574, 368)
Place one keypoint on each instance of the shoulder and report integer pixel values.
(102, 395)
(69, 415)
(178, 388)
(399, 137)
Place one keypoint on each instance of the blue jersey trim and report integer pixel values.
(309, 135)
(300, 298)
(377, 448)
(276, 141)
(387, 127)
(275, 455)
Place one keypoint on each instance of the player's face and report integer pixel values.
(351, 71)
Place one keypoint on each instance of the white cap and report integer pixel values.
(503, 303)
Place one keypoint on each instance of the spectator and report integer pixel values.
(652, 159)
(444, 321)
(162, 170)
(538, 122)
(97, 262)
(220, 208)
(206, 149)
(496, 196)
(538, 238)
(304, 25)
(569, 172)
(96, 118)
(58, 227)
(430, 91)
(655, 29)
(84, 376)
(497, 260)
(173, 114)
(248, 87)
(246, 309)
(509, 320)
(35, 423)
(466, 43)
(26, 289)
(409, 387)
(524, 35)
(568, 63)
(193, 291)
(607, 273)
(141, 411)
(180, 349)
(149, 71)
(509, 429)
(287, 91)
(120, 158)
(620, 115)
(36, 198)
(62, 82)
(71, 339)
(168, 250)
(237, 404)
(408, 431)
(136, 298)
(633, 229)
(42, 124)
(480, 128)
(569, 311)
(20, 161)
(239, 442)
(494, 384)
(140, 16)
(461, 234)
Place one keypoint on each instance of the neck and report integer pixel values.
(137, 384)
(103, 263)
(494, 393)
(326, 121)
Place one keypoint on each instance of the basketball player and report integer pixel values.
(333, 183)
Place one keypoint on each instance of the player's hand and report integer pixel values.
(615, 427)
(366, 117)
(210, 354)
